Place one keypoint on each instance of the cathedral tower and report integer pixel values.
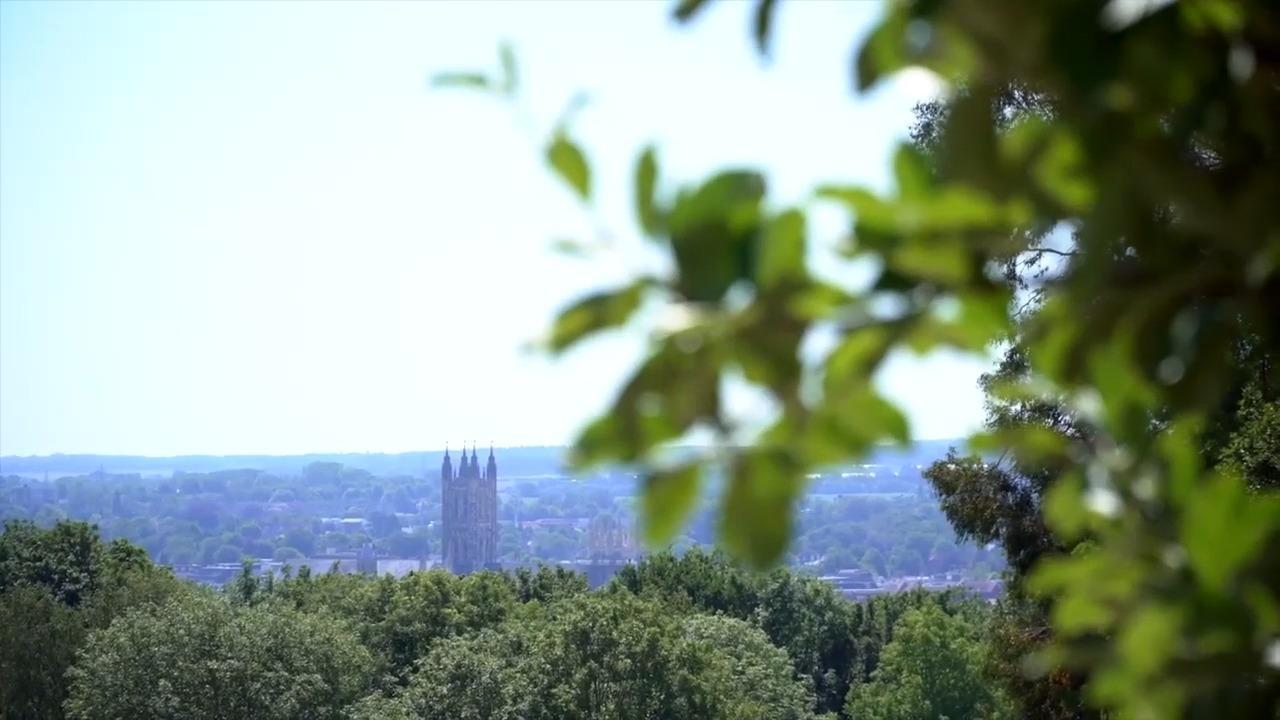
(469, 512)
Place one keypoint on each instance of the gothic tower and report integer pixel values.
(469, 513)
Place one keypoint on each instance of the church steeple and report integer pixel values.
(491, 469)
(446, 467)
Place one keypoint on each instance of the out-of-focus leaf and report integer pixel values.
(981, 318)
(911, 170)
(969, 156)
(763, 24)
(646, 181)
(686, 9)
(478, 81)
(1150, 637)
(1223, 528)
(1220, 15)
(510, 72)
(569, 246)
(677, 386)
(669, 497)
(1064, 509)
(949, 263)
(782, 247)
(882, 52)
(761, 482)
(1061, 173)
(858, 356)
(714, 231)
(766, 345)
(850, 421)
(594, 313)
(569, 162)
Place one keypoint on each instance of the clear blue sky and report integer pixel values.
(254, 228)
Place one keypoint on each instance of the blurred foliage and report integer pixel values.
(1154, 148)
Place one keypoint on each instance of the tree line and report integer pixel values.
(91, 629)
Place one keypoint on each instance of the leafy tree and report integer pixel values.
(56, 586)
(931, 669)
(38, 640)
(469, 678)
(547, 584)
(608, 656)
(67, 560)
(751, 676)
(199, 657)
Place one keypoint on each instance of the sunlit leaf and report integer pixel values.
(761, 481)
(675, 387)
(1223, 528)
(669, 497)
(882, 52)
(569, 162)
(594, 313)
(912, 172)
(857, 356)
(646, 180)
(1064, 508)
(782, 248)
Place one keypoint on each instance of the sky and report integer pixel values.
(233, 228)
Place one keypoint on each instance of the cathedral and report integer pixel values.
(469, 513)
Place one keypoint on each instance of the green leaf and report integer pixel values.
(510, 75)
(594, 313)
(669, 497)
(569, 162)
(756, 524)
(1223, 528)
(851, 419)
(676, 386)
(714, 234)
(766, 346)
(763, 24)
(478, 81)
(686, 9)
(912, 172)
(782, 248)
(949, 263)
(569, 246)
(882, 53)
(646, 181)
(1064, 508)
(857, 357)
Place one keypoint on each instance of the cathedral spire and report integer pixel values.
(446, 467)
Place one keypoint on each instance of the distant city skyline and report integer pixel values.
(241, 229)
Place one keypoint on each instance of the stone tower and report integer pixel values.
(469, 513)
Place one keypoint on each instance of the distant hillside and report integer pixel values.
(513, 461)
